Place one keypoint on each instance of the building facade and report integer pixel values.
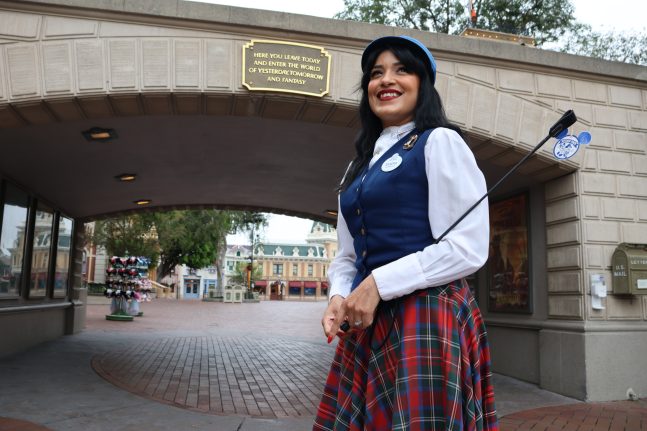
(194, 283)
(285, 270)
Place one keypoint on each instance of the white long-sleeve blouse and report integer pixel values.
(455, 184)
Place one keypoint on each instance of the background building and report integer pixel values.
(289, 271)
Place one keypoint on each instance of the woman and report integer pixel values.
(413, 353)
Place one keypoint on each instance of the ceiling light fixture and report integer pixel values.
(331, 212)
(142, 201)
(100, 134)
(126, 177)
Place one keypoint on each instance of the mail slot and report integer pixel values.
(629, 267)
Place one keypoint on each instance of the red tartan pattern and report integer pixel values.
(431, 373)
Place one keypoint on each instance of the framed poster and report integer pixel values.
(508, 271)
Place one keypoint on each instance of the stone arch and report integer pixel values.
(84, 71)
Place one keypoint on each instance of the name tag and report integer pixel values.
(391, 163)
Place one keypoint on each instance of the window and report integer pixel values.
(295, 269)
(63, 252)
(209, 285)
(323, 269)
(295, 291)
(310, 270)
(277, 269)
(41, 250)
(12, 241)
(230, 265)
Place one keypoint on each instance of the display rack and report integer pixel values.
(128, 286)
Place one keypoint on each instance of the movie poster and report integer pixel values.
(508, 272)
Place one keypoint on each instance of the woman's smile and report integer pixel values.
(388, 94)
(392, 90)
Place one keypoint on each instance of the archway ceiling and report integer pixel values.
(269, 155)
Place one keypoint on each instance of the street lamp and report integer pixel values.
(250, 268)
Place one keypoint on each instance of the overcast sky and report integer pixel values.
(620, 15)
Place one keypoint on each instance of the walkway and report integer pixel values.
(213, 366)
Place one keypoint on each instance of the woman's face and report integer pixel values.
(392, 91)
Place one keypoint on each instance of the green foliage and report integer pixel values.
(629, 47)
(441, 16)
(240, 274)
(127, 236)
(195, 238)
(96, 289)
(545, 20)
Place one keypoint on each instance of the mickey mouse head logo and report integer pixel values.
(567, 145)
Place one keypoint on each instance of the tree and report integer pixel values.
(545, 20)
(630, 47)
(195, 238)
(240, 273)
(132, 235)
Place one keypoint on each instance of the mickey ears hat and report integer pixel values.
(415, 44)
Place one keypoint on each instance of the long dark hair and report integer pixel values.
(429, 111)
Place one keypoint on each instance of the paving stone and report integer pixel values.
(226, 376)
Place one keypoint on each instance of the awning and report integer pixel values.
(295, 284)
(324, 285)
(310, 284)
(260, 283)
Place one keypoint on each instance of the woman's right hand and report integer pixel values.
(330, 315)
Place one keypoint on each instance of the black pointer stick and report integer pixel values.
(567, 120)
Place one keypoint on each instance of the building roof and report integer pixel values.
(266, 249)
(322, 233)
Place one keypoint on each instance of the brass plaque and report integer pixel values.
(286, 67)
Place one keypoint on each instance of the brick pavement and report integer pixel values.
(222, 375)
(611, 416)
(8, 424)
(245, 360)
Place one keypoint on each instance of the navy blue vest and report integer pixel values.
(387, 213)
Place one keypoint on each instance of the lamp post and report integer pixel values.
(250, 267)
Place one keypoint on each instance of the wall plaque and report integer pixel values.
(286, 67)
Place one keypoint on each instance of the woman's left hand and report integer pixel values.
(359, 307)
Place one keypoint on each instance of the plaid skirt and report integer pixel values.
(423, 365)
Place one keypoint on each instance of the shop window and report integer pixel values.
(295, 291)
(41, 252)
(63, 255)
(309, 291)
(12, 240)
